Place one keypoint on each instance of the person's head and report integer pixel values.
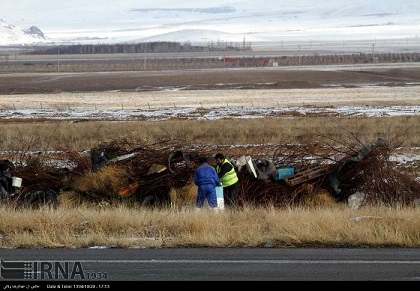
(202, 160)
(219, 158)
(6, 165)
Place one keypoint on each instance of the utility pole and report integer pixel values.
(58, 59)
(299, 55)
(373, 53)
(145, 59)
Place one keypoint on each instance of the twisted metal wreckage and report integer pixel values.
(278, 181)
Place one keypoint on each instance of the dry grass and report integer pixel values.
(318, 222)
(183, 197)
(79, 136)
(87, 226)
(103, 184)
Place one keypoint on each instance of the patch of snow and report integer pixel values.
(208, 113)
(403, 159)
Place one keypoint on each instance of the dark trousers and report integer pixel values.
(230, 194)
(208, 192)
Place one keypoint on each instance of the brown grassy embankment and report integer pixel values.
(334, 225)
(52, 135)
(87, 226)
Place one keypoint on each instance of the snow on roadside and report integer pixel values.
(404, 159)
(209, 113)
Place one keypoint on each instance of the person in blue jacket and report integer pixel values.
(205, 177)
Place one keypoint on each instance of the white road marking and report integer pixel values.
(246, 261)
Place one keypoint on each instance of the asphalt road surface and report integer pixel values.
(109, 266)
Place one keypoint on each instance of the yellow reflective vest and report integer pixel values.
(230, 177)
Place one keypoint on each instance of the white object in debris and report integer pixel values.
(220, 199)
(16, 182)
(250, 166)
(241, 162)
(121, 158)
(357, 200)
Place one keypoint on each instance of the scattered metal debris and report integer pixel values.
(283, 175)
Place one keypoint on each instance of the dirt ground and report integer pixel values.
(374, 84)
(254, 78)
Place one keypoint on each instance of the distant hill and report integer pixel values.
(13, 35)
(89, 22)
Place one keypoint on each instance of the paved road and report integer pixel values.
(224, 264)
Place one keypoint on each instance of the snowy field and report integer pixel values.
(165, 104)
(368, 101)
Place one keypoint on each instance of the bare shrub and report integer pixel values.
(101, 185)
(183, 197)
(319, 198)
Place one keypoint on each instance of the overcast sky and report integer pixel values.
(56, 13)
(146, 18)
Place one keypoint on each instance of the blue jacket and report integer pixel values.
(206, 175)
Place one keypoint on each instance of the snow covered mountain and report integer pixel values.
(13, 35)
(110, 21)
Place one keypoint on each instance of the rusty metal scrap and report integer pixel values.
(319, 169)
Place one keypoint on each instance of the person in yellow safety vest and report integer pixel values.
(230, 182)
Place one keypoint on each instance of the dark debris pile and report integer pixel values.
(158, 168)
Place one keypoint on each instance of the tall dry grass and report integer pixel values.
(85, 135)
(78, 224)
(184, 197)
(87, 226)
